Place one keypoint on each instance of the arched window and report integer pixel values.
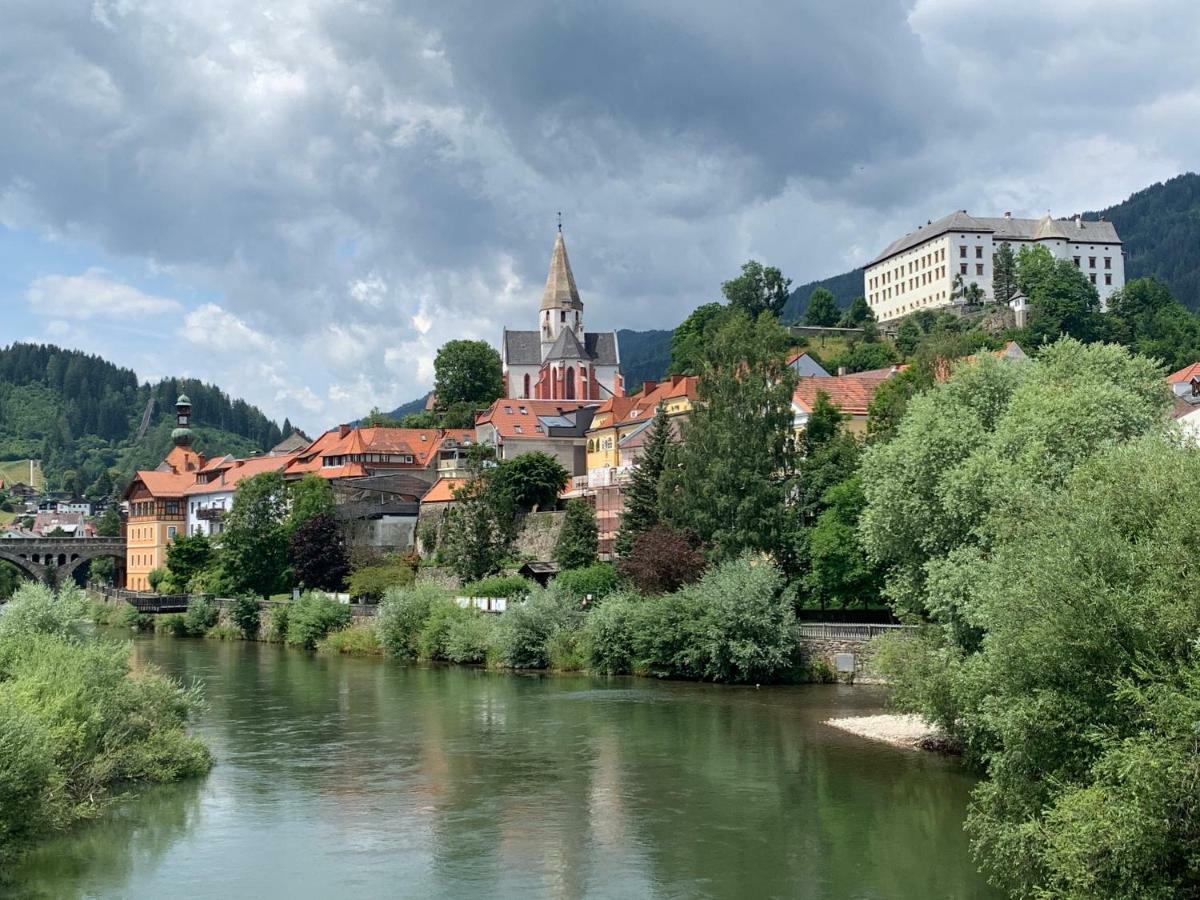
(526, 394)
(570, 382)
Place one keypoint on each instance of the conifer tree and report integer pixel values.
(641, 497)
(1004, 273)
(578, 542)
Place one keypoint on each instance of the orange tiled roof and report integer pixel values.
(506, 415)
(443, 490)
(1185, 375)
(420, 443)
(850, 393)
(673, 388)
(163, 484)
(239, 469)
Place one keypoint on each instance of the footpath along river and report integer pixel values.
(341, 777)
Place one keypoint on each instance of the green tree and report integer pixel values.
(1004, 273)
(1062, 301)
(468, 372)
(254, 544)
(689, 340)
(728, 480)
(187, 556)
(109, 523)
(757, 290)
(857, 314)
(531, 480)
(822, 309)
(578, 542)
(641, 494)
(479, 525)
(1148, 320)
(308, 497)
(840, 573)
(376, 418)
(908, 336)
(862, 356)
(317, 552)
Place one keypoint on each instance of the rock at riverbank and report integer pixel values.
(910, 731)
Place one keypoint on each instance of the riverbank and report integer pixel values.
(910, 731)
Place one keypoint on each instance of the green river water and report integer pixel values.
(341, 777)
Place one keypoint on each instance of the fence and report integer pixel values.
(170, 603)
(829, 631)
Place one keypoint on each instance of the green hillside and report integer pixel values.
(17, 471)
(80, 415)
(844, 287)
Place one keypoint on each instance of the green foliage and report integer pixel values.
(201, 615)
(510, 586)
(822, 309)
(479, 526)
(254, 544)
(403, 614)
(444, 614)
(470, 639)
(759, 289)
(245, 616)
(840, 574)
(530, 480)
(728, 480)
(578, 541)
(524, 631)
(641, 495)
(370, 582)
(172, 624)
(187, 556)
(275, 627)
(661, 560)
(597, 580)
(313, 616)
(690, 340)
(469, 372)
(75, 723)
(1148, 320)
(1004, 273)
(37, 609)
(309, 497)
(359, 639)
(109, 522)
(155, 578)
(862, 356)
(857, 315)
(1062, 300)
(376, 418)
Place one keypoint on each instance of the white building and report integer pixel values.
(918, 271)
(561, 361)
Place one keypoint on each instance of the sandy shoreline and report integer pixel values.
(909, 731)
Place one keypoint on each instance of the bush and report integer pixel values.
(402, 615)
(172, 624)
(246, 616)
(443, 614)
(471, 639)
(599, 580)
(223, 631)
(275, 626)
(578, 541)
(371, 582)
(202, 614)
(524, 632)
(610, 634)
(661, 560)
(127, 616)
(510, 586)
(74, 723)
(358, 639)
(566, 650)
(36, 609)
(312, 617)
(155, 578)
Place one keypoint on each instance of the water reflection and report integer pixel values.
(341, 776)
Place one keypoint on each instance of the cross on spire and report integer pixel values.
(560, 220)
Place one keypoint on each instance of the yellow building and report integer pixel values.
(620, 418)
(157, 507)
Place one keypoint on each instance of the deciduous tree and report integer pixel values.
(317, 551)
(468, 372)
(822, 309)
(757, 290)
(254, 543)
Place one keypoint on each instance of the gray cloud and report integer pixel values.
(359, 182)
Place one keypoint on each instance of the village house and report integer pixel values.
(561, 360)
(556, 427)
(851, 394)
(1185, 399)
(349, 452)
(210, 498)
(157, 503)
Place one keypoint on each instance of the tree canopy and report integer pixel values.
(822, 309)
(757, 290)
(467, 372)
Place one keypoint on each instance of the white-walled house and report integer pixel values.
(211, 497)
(918, 270)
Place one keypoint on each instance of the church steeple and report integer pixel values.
(561, 306)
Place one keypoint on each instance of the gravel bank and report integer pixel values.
(909, 731)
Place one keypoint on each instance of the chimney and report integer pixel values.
(648, 386)
(841, 371)
(343, 430)
(1008, 215)
(1078, 221)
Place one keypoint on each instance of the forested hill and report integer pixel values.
(80, 415)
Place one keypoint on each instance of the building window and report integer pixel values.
(979, 253)
(962, 252)
(1093, 277)
(1076, 262)
(1091, 262)
(1108, 262)
(1108, 278)
(562, 316)
(962, 269)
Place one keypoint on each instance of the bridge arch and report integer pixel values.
(29, 566)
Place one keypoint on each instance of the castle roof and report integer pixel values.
(1006, 228)
(560, 281)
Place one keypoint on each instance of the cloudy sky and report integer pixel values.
(301, 200)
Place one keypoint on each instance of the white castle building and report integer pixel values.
(561, 361)
(918, 271)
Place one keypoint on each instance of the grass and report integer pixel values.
(358, 639)
(17, 470)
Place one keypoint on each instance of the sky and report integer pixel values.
(301, 200)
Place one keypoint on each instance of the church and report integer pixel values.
(561, 361)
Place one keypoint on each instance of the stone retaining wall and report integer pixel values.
(826, 649)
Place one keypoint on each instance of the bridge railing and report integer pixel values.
(149, 602)
(832, 631)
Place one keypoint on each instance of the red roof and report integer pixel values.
(1185, 375)
(517, 419)
(850, 393)
(239, 469)
(421, 444)
(443, 490)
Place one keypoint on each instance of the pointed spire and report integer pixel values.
(560, 290)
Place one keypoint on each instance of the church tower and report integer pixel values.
(561, 307)
(182, 435)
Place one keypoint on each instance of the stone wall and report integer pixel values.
(825, 649)
(537, 533)
(439, 575)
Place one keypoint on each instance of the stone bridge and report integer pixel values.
(54, 560)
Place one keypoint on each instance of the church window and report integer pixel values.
(526, 384)
(562, 316)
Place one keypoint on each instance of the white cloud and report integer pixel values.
(218, 329)
(94, 295)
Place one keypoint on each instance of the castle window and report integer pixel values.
(979, 252)
(562, 316)
(1076, 262)
(962, 268)
(1108, 278)
(962, 252)
(1091, 262)
(1093, 277)
(978, 268)
(1108, 262)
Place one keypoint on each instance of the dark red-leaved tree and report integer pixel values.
(662, 560)
(318, 554)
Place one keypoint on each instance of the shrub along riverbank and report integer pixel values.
(78, 723)
(736, 624)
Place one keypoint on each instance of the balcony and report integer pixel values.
(210, 513)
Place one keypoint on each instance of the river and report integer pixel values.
(341, 777)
